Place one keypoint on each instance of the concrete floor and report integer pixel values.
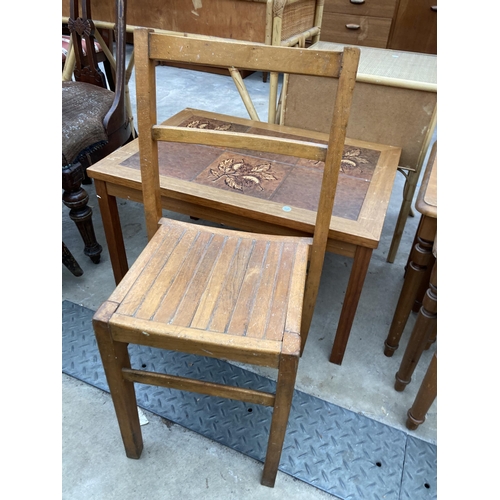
(178, 463)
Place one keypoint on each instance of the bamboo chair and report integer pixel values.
(194, 287)
(95, 121)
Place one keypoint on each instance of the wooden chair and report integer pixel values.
(214, 292)
(94, 119)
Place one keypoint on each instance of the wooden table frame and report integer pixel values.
(351, 238)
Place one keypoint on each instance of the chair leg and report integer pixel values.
(287, 373)
(420, 259)
(425, 397)
(115, 357)
(76, 199)
(424, 329)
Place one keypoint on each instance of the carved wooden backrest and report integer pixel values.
(82, 29)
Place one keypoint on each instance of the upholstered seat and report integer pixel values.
(84, 107)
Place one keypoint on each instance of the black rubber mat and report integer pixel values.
(336, 450)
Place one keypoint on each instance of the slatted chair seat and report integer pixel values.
(236, 290)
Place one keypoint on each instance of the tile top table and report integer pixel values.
(259, 192)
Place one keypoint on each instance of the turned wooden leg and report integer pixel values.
(426, 276)
(283, 403)
(425, 397)
(424, 283)
(76, 199)
(115, 357)
(424, 329)
(420, 258)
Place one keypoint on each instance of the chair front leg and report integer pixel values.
(115, 357)
(76, 199)
(287, 373)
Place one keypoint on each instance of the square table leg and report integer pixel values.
(112, 230)
(354, 288)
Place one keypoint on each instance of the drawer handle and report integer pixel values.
(434, 7)
(358, 1)
(352, 26)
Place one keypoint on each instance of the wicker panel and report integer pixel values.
(297, 18)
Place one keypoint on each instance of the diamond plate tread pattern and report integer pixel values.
(420, 470)
(336, 450)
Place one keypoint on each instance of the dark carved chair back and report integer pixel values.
(95, 121)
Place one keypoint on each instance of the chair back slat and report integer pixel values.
(251, 142)
(81, 28)
(242, 55)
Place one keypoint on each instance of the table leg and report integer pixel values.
(424, 329)
(420, 259)
(354, 287)
(112, 231)
(404, 212)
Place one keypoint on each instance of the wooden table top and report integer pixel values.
(275, 189)
(426, 202)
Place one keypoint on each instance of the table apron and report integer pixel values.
(344, 248)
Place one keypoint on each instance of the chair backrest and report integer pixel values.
(82, 30)
(87, 70)
(151, 47)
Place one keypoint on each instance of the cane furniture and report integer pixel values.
(395, 102)
(216, 292)
(421, 259)
(70, 262)
(95, 121)
(274, 22)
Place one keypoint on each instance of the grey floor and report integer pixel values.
(178, 463)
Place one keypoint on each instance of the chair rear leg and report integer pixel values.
(287, 373)
(115, 357)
